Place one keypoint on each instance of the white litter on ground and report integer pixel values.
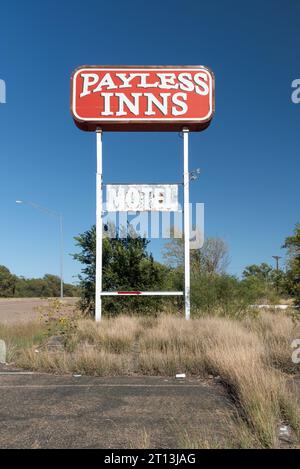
(284, 430)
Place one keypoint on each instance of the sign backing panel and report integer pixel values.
(141, 197)
(142, 98)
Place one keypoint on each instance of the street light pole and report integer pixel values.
(61, 243)
(58, 216)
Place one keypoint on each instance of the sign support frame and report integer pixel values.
(99, 231)
(186, 223)
(99, 228)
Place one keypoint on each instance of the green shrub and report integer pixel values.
(222, 294)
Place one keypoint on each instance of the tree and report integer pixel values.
(212, 258)
(46, 287)
(126, 266)
(221, 294)
(7, 282)
(262, 271)
(292, 245)
(212, 290)
(267, 282)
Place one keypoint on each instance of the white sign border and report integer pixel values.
(143, 119)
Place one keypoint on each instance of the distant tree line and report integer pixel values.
(127, 265)
(12, 286)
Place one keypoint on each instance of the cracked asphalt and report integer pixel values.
(49, 411)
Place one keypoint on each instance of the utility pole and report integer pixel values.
(277, 261)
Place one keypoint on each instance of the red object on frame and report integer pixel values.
(142, 98)
(129, 292)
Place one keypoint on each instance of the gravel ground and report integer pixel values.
(16, 310)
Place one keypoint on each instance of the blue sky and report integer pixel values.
(249, 156)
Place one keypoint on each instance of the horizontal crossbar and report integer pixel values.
(178, 183)
(141, 293)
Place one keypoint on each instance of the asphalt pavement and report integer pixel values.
(49, 411)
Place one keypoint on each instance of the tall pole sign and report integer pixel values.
(142, 98)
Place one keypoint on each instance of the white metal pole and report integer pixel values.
(98, 279)
(186, 208)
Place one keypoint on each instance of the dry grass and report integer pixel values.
(20, 336)
(238, 436)
(86, 361)
(113, 335)
(239, 355)
(251, 357)
(277, 332)
(141, 441)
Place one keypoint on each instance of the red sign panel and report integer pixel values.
(142, 98)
